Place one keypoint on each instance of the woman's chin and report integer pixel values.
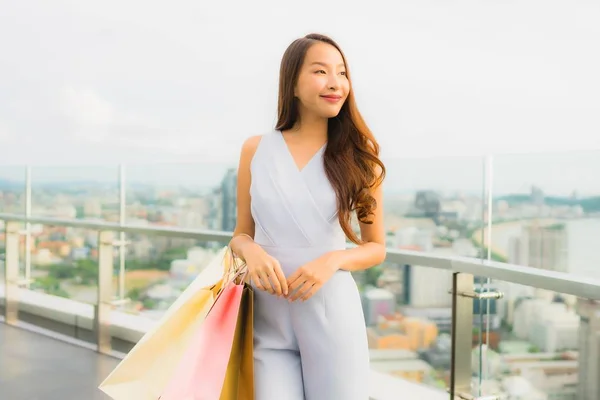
(331, 113)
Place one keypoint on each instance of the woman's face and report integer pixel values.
(322, 86)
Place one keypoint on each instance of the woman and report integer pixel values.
(297, 189)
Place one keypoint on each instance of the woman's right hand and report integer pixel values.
(265, 271)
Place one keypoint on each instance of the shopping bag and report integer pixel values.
(239, 380)
(222, 264)
(201, 372)
(147, 368)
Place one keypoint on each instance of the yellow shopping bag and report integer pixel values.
(144, 372)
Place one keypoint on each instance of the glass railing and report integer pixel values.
(545, 213)
(75, 192)
(182, 195)
(435, 205)
(13, 186)
(433, 322)
(528, 344)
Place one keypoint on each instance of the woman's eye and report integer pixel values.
(321, 71)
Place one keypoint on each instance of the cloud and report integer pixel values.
(92, 118)
(6, 136)
(195, 78)
(95, 118)
(90, 115)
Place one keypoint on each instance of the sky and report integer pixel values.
(185, 82)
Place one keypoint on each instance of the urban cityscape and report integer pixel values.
(534, 341)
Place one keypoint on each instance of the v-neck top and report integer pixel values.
(292, 207)
(317, 154)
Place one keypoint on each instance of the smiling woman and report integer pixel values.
(321, 77)
(297, 190)
(315, 101)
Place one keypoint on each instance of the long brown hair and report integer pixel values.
(352, 153)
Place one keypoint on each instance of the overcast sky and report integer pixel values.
(103, 82)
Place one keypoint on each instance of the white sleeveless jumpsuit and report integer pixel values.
(313, 350)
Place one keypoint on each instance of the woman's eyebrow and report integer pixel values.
(324, 65)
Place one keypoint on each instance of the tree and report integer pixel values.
(62, 271)
(372, 275)
(534, 349)
(134, 294)
(50, 285)
(166, 258)
(86, 271)
(149, 304)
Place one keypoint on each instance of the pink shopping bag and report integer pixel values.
(201, 372)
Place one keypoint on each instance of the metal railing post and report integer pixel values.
(122, 209)
(11, 272)
(462, 335)
(28, 238)
(103, 306)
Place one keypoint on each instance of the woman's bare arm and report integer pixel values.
(372, 252)
(244, 229)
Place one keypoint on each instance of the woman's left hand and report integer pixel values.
(310, 277)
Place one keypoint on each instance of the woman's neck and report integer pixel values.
(310, 129)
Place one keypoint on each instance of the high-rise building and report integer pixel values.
(427, 203)
(229, 200)
(214, 219)
(540, 246)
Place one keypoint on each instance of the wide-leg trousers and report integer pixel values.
(313, 350)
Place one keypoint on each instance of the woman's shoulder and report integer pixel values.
(251, 145)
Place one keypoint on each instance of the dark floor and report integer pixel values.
(36, 367)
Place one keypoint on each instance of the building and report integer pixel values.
(229, 200)
(540, 246)
(546, 373)
(377, 303)
(214, 219)
(413, 369)
(439, 355)
(402, 333)
(550, 327)
(440, 316)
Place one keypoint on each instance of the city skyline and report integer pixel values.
(407, 309)
(576, 172)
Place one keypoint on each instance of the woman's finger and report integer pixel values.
(297, 283)
(264, 277)
(301, 290)
(281, 280)
(256, 280)
(274, 281)
(310, 293)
